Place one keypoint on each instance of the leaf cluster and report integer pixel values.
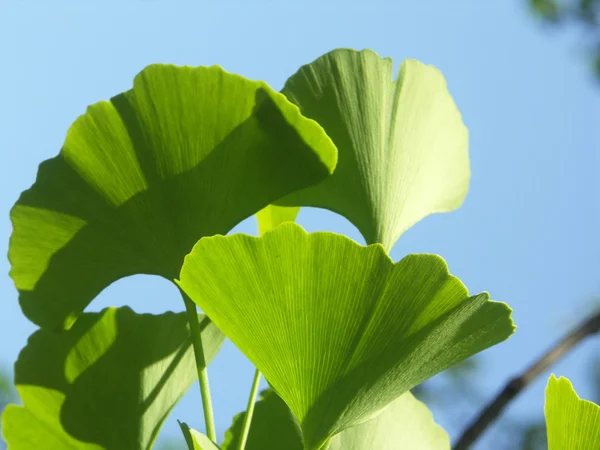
(152, 182)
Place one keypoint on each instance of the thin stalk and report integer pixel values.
(209, 418)
(249, 410)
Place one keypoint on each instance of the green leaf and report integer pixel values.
(339, 330)
(273, 426)
(271, 216)
(188, 152)
(110, 381)
(403, 148)
(406, 423)
(571, 423)
(196, 440)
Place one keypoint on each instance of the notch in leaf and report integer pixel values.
(571, 423)
(403, 147)
(188, 152)
(339, 330)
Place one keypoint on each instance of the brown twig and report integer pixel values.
(516, 385)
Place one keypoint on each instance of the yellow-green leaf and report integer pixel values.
(188, 152)
(571, 423)
(107, 383)
(403, 147)
(339, 330)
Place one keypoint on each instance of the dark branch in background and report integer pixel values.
(517, 384)
(584, 14)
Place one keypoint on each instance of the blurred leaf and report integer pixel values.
(107, 383)
(547, 9)
(272, 216)
(403, 148)
(596, 379)
(273, 426)
(572, 423)
(6, 388)
(534, 437)
(406, 423)
(196, 440)
(170, 444)
(188, 152)
(339, 330)
(585, 14)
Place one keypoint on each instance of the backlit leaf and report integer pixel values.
(107, 383)
(571, 423)
(339, 330)
(403, 148)
(196, 440)
(188, 152)
(272, 216)
(273, 426)
(405, 424)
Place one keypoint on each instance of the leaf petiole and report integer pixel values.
(209, 418)
(249, 410)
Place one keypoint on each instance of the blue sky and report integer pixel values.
(527, 232)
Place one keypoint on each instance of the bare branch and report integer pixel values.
(516, 385)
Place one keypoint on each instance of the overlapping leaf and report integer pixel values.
(338, 329)
(107, 383)
(403, 148)
(188, 152)
(405, 424)
(271, 216)
(196, 440)
(572, 423)
(273, 426)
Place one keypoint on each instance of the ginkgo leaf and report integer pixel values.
(571, 423)
(188, 152)
(107, 383)
(196, 440)
(273, 426)
(339, 330)
(406, 423)
(271, 216)
(403, 148)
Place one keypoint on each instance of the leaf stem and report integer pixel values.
(249, 410)
(209, 418)
(590, 326)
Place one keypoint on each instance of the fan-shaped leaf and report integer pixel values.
(338, 330)
(403, 148)
(188, 152)
(107, 383)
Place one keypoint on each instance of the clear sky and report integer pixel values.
(527, 233)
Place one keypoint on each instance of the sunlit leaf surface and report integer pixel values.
(405, 424)
(188, 152)
(339, 330)
(403, 148)
(107, 383)
(571, 423)
(196, 440)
